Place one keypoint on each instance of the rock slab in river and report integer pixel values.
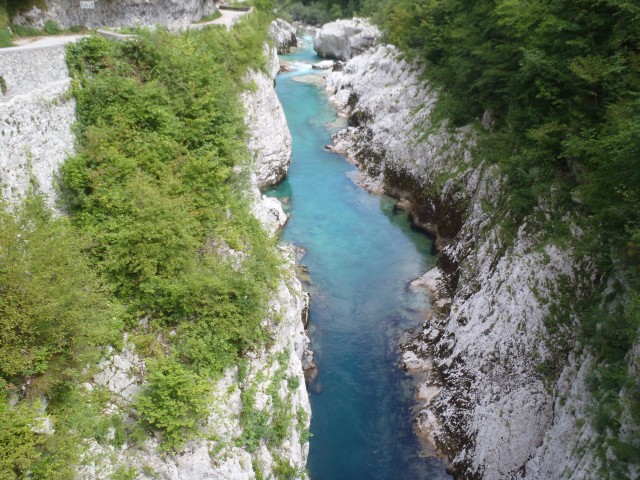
(344, 39)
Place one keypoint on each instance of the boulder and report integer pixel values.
(284, 34)
(324, 65)
(344, 39)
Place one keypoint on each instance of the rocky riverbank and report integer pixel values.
(484, 402)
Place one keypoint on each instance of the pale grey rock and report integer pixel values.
(430, 282)
(270, 140)
(324, 65)
(121, 373)
(43, 426)
(270, 213)
(174, 14)
(284, 34)
(489, 339)
(35, 120)
(344, 39)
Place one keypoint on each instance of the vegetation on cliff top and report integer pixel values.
(157, 197)
(558, 85)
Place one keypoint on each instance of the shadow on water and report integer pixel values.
(361, 254)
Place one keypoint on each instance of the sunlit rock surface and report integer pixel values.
(344, 39)
(483, 400)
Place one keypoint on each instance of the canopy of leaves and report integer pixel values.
(156, 185)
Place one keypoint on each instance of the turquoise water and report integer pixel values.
(361, 257)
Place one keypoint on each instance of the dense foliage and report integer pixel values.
(53, 313)
(155, 188)
(558, 85)
(54, 316)
(159, 241)
(175, 402)
(318, 12)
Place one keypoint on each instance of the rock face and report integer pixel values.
(35, 119)
(270, 140)
(483, 401)
(344, 39)
(269, 136)
(284, 34)
(173, 14)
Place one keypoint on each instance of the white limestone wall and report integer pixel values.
(174, 14)
(35, 120)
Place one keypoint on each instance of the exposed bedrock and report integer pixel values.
(174, 14)
(483, 401)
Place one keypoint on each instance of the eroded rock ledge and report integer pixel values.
(484, 403)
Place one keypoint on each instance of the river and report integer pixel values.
(361, 256)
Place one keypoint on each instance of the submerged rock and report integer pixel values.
(344, 39)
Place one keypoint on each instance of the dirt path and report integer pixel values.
(228, 19)
(39, 42)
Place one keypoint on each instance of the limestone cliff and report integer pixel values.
(174, 14)
(36, 120)
(484, 402)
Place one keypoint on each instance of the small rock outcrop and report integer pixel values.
(344, 39)
(174, 14)
(284, 34)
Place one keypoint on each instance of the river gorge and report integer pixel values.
(361, 255)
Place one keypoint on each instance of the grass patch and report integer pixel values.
(208, 18)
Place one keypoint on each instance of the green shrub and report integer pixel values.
(153, 184)
(19, 444)
(51, 27)
(5, 37)
(4, 16)
(53, 313)
(174, 402)
(23, 31)
(312, 14)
